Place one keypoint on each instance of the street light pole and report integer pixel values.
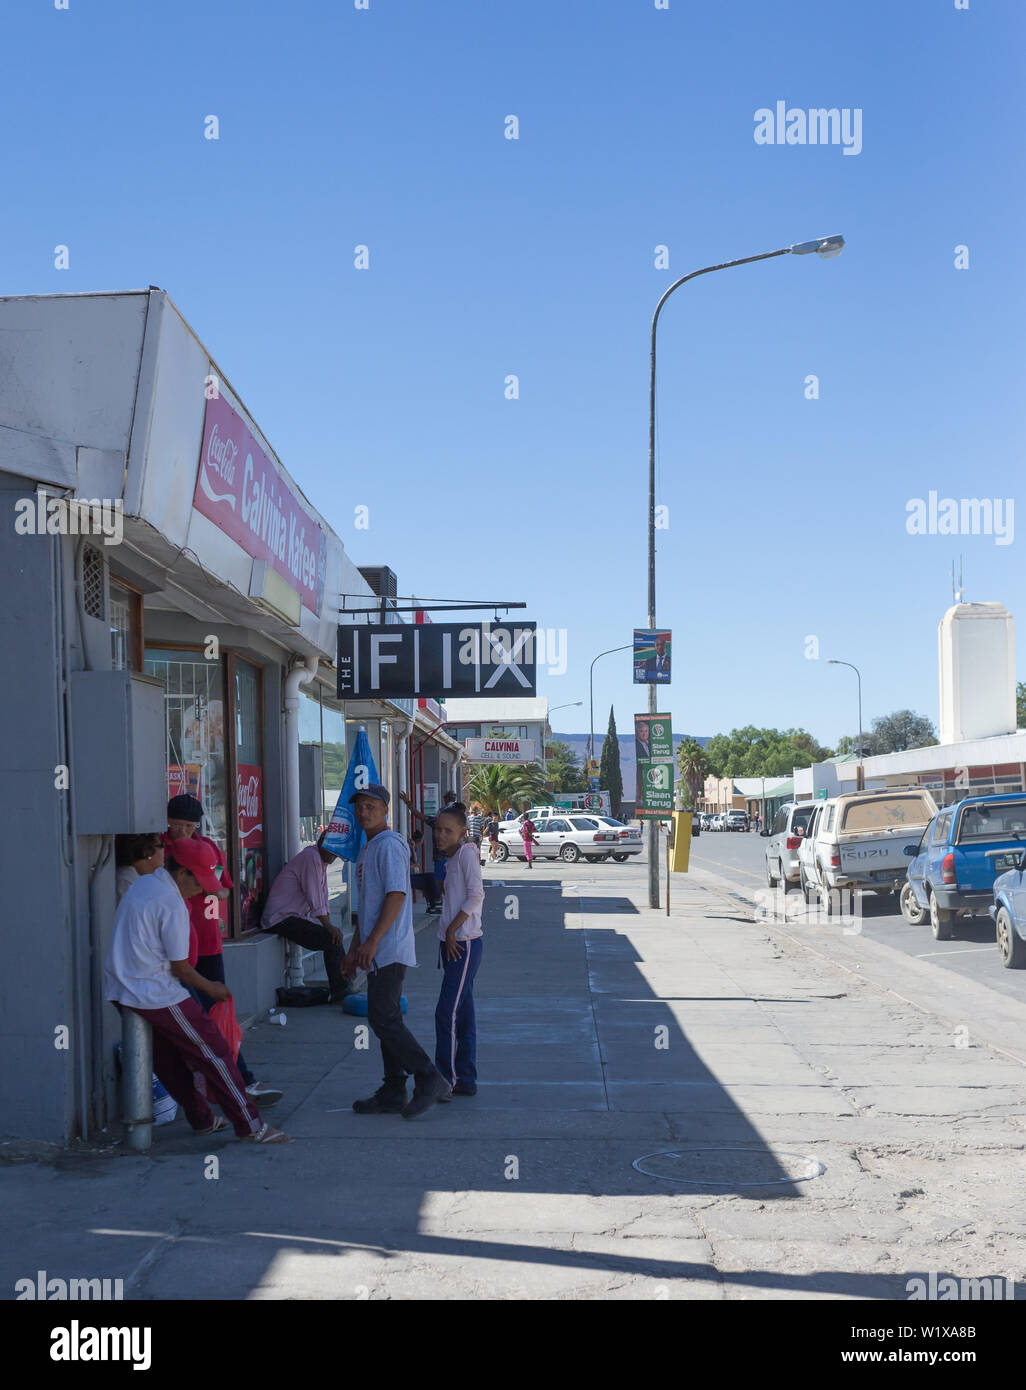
(591, 698)
(861, 778)
(570, 704)
(826, 248)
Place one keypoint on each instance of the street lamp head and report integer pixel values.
(832, 661)
(825, 246)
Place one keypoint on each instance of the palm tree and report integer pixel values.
(693, 767)
(494, 783)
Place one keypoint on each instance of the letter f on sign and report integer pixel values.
(378, 658)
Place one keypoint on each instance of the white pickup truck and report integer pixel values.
(857, 841)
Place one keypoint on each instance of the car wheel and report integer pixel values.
(910, 909)
(1011, 947)
(941, 923)
(502, 854)
(569, 854)
(620, 858)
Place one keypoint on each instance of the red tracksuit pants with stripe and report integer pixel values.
(187, 1044)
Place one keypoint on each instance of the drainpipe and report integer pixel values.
(300, 674)
(402, 731)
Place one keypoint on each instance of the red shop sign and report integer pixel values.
(241, 490)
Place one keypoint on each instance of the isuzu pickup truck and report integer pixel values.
(857, 841)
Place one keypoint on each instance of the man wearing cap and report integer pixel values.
(184, 815)
(297, 909)
(383, 945)
(147, 970)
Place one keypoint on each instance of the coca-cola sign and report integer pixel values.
(250, 805)
(241, 490)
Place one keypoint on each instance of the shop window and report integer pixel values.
(194, 709)
(249, 775)
(125, 627)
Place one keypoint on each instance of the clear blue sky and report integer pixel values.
(534, 257)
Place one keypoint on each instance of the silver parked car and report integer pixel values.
(783, 838)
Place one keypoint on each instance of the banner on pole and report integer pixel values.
(344, 837)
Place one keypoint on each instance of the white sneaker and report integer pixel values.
(264, 1095)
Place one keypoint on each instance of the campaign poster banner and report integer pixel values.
(655, 784)
(652, 656)
(241, 490)
(344, 836)
(653, 737)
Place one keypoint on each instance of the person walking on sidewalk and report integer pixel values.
(383, 945)
(530, 840)
(459, 955)
(493, 839)
(425, 883)
(147, 970)
(298, 909)
(438, 859)
(184, 817)
(475, 823)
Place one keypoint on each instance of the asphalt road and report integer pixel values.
(739, 856)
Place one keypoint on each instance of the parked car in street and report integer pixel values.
(858, 841)
(782, 840)
(1008, 910)
(736, 820)
(568, 837)
(953, 868)
(630, 840)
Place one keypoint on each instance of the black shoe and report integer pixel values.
(434, 1087)
(463, 1088)
(384, 1101)
(435, 910)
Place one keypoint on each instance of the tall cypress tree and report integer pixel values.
(609, 766)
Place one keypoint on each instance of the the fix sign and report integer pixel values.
(432, 660)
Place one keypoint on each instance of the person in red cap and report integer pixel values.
(147, 970)
(184, 816)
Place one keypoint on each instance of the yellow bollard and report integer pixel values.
(681, 842)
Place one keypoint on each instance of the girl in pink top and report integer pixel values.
(530, 839)
(459, 953)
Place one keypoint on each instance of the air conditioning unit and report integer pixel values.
(381, 579)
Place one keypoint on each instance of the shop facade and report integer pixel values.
(173, 602)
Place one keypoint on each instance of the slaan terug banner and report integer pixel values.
(240, 489)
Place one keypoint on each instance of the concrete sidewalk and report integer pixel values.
(817, 1136)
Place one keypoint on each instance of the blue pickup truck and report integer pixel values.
(962, 849)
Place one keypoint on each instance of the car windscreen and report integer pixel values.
(996, 820)
(886, 811)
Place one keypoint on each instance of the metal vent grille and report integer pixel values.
(381, 580)
(92, 582)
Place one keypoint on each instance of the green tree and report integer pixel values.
(494, 784)
(894, 733)
(1020, 705)
(564, 768)
(693, 766)
(752, 752)
(610, 778)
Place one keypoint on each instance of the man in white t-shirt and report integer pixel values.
(147, 969)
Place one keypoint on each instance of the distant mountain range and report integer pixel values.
(579, 743)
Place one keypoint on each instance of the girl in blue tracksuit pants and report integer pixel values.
(459, 953)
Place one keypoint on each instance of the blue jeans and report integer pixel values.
(455, 1021)
(439, 866)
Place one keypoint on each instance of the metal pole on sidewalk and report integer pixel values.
(825, 247)
(136, 1080)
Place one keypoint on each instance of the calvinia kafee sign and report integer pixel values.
(400, 661)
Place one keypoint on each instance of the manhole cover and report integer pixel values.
(719, 1167)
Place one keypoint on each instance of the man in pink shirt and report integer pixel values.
(297, 909)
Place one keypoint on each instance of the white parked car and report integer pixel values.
(569, 836)
(631, 840)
